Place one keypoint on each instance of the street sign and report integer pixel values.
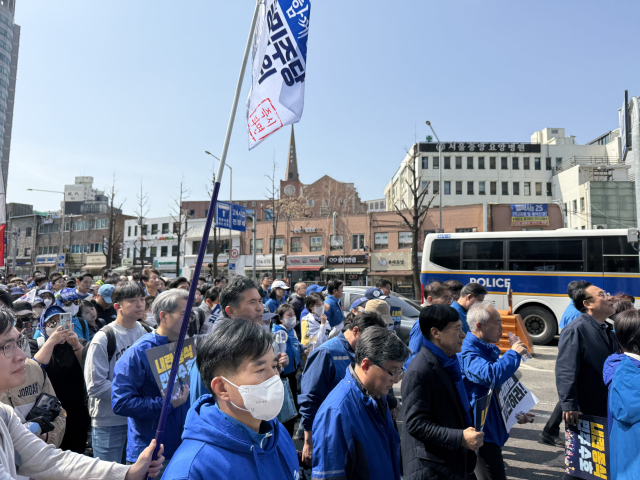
(61, 261)
(231, 216)
(234, 253)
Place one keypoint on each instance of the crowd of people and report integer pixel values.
(78, 382)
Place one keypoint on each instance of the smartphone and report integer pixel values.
(66, 321)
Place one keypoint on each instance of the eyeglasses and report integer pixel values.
(399, 374)
(51, 323)
(68, 303)
(604, 295)
(10, 347)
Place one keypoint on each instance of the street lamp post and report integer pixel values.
(440, 185)
(230, 200)
(61, 219)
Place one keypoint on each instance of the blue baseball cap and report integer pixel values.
(373, 293)
(105, 291)
(358, 302)
(315, 289)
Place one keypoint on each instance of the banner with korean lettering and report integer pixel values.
(279, 68)
(514, 399)
(529, 214)
(587, 448)
(161, 358)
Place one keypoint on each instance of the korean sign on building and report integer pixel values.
(529, 214)
(384, 262)
(504, 148)
(301, 260)
(348, 259)
(231, 216)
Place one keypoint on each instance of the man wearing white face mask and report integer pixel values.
(233, 432)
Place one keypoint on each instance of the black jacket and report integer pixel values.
(584, 346)
(432, 437)
(108, 314)
(297, 303)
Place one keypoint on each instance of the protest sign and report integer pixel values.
(587, 448)
(396, 316)
(514, 399)
(480, 411)
(161, 359)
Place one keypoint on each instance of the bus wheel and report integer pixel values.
(540, 323)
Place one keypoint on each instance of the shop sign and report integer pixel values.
(495, 147)
(265, 260)
(382, 262)
(306, 230)
(96, 259)
(348, 259)
(299, 260)
(46, 259)
(165, 238)
(147, 261)
(76, 258)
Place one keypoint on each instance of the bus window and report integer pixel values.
(619, 256)
(546, 255)
(594, 254)
(446, 253)
(483, 255)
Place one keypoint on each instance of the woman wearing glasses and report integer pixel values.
(59, 351)
(37, 459)
(69, 301)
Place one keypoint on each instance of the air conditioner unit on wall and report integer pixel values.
(600, 227)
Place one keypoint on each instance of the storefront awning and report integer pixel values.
(305, 268)
(45, 264)
(94, 267)
(204, 265)
(123, 268)
(350, 271)
(392, 273)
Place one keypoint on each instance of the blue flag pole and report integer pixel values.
(205, 239)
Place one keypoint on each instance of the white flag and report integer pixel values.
(279, 66)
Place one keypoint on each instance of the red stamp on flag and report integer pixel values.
(263, 121)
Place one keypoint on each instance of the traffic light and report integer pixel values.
(105, 245)
(122, 250)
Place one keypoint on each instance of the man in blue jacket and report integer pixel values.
(471, 293)
(234, 432)
(356, 435)
(332, 306)
(134, 391)
(482, 369)
(325, 367)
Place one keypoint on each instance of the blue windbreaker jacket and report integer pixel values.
(273, 304)
(135, 394)
(624, 417)
(482, 367)
(570, 314)
(214, 449)
(334, 314)
(325, 367)
(293, 348)
(462, 314)
(352, 437)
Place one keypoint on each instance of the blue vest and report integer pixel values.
(341, 354)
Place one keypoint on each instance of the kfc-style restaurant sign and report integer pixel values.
(305, 262)
(348, 259)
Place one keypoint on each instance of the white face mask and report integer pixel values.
(72, 309)
(319, 310)
(48, 302)
(50, 331)
(263, 401)
(289, 322)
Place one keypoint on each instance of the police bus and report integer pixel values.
(537, 266)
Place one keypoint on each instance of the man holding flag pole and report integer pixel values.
(278, 33)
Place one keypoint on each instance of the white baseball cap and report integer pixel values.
(279, 284)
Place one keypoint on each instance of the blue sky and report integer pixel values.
(143, 87)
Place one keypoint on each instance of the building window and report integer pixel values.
(525, 163)
(575, 206)
(436, 187)
(469, 188)
(144, 229)
(129, 251)
(95, 248)
(279, 245)
(424, 186)
(175, 250)
(504, 163)
(582, 206)
(458, 188)
(164, 251)
(27, 252)
(469, 163)
(135, 231)
(515, 163)
(67, 226)
(538, 188)
(129, 231)
(536, 163)
(425, 163)
(527, 189)
(436, 163)
(315, 244)
(558, 160)
(165, 228)
(549, 189)
(39, 250)
(357, 241)
(447, 188)
(381, 241)
(447, 163)
(258, 246)
(458, 163)
(154, 229)
(81, 248)
(28, 231)
(481, 188)
(547, 163)
(480, 163)
(405, 239)
(337, 242)
(492, 163)
(154, 252)
(493, 186)
(296, 244)
(516, 188)
(505, 188)
(81, 225)
(310, 202)
(100, 224)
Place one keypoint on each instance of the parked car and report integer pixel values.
(409, 308)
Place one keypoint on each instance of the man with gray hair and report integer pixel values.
(134, 391)
(471, 293)
(483, 369)
(354, 424)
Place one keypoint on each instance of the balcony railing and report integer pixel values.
(593, 162)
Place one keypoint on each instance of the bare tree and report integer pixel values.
(141, 211)
(180, 216)
(416, 212)
(216, 232)
(273, 195)
(114, 212)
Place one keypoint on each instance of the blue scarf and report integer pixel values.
(452, 367)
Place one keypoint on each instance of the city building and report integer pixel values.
(9, 47)
(379, 205)
(21, 238)
(81, 197)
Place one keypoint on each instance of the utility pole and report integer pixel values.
(254, 230)
(440, 185)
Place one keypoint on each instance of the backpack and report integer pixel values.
(111, 342)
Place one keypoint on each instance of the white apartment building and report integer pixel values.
(160, 246)
(539, 171)
(379, 205)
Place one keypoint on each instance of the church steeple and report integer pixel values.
(292, 164)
